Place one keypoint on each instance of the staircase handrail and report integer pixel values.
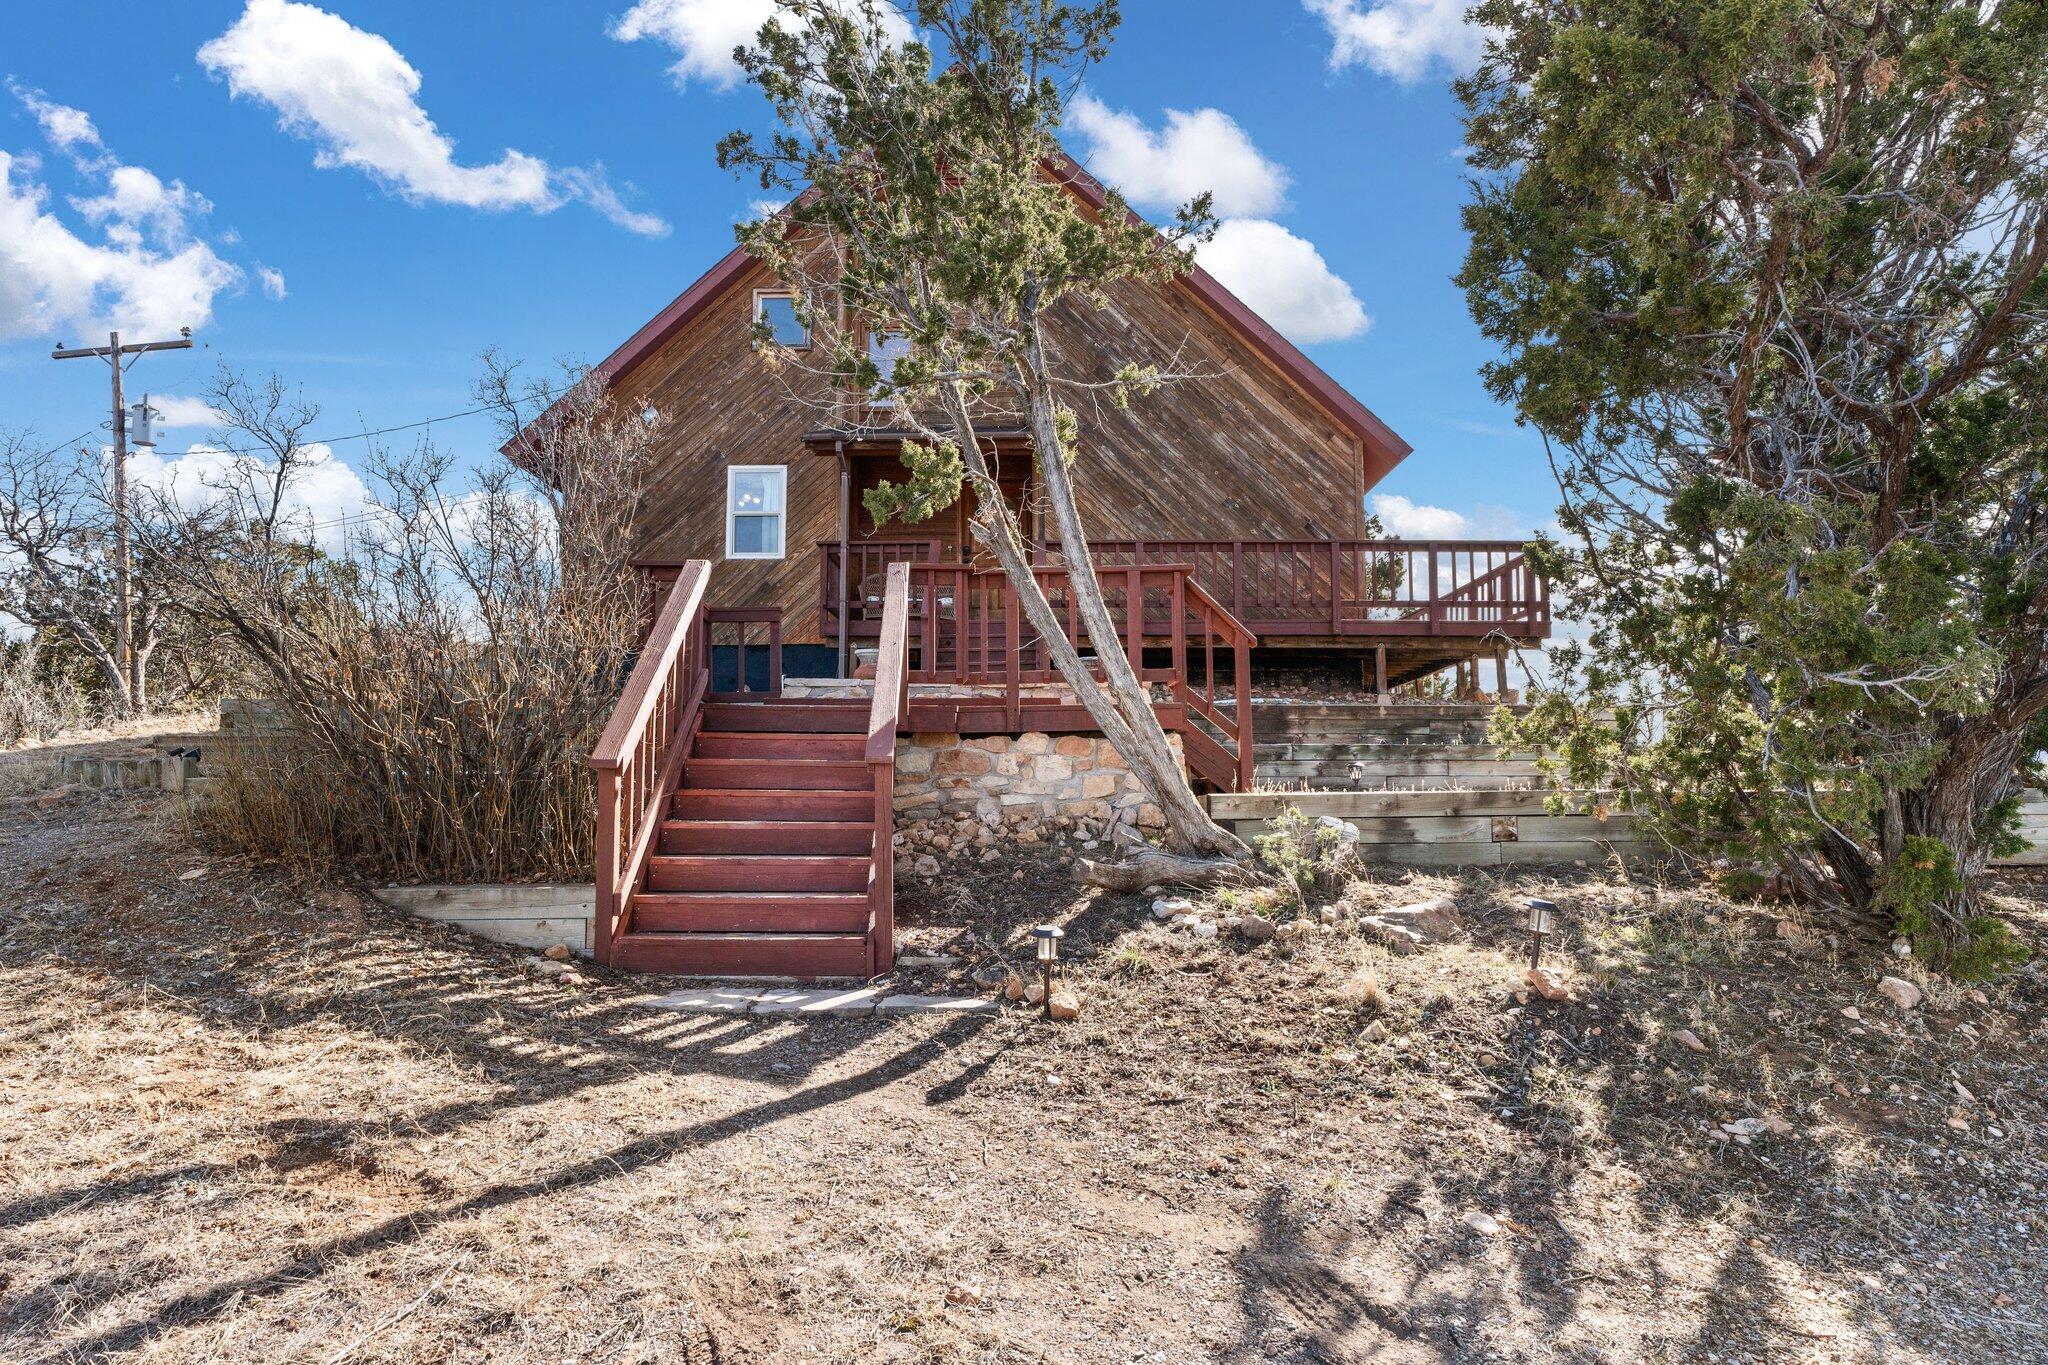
(640, 753)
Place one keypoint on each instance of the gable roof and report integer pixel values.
(1381, 447)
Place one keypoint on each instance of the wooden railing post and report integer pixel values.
(608, 835)
(1134, 617)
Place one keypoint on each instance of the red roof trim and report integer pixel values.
(678, 314)
(1383, 448)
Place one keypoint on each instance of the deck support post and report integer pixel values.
(1379, 674)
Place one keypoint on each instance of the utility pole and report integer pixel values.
(125, 654)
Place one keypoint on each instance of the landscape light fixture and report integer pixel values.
(1047, 938)
(1540, 916)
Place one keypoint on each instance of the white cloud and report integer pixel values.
(1198, 151)
(1404, 39)
(588, 184)
(65, 127)
(1284, 280)
(355, 95)
(705, 33)
(146, 276)
(272, 280)
(137, 198)
(185, 412)
(324, 505)
(1406, 519)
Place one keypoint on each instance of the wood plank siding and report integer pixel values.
(1241, 452)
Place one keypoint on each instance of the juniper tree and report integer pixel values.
(1768, 276)
(928, 202)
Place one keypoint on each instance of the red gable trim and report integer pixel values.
(1381, 446)
(678, 314)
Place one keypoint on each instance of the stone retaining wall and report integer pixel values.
(1034, 786)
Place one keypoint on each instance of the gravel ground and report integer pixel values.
(241, 1120)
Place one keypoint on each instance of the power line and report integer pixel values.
(380, 431)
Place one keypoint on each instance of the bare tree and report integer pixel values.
(56, 567)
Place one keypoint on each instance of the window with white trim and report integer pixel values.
(777, 312)
(884, 350)
(756, 496)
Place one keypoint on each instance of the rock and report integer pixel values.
(1900, 992)
(965, 1296)
(557, 952)
(1397, 938)
(1034, 993)
(1902, 947)
(1851, 1012)
(1546, 985)
(191, 874)
(906, 958)
(1066, 1005)
(1203, 929)
(1689, 1040)
(1256, 927)
(1013, 985)
(1327, 914)
(1976, 997)
(552, 967)
(1375, 1032)
(1485, 1224)
(1166, 907)
(926, 866)
(1430, 921)
(1787, 929)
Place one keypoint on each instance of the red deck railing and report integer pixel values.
(968, 627)
(640, 753)
(1323, 588)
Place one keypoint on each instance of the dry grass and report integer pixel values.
(236, 1126)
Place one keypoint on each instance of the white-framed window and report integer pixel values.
(884, 350)
(777, 309)
(756, 499)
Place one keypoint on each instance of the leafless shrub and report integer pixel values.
(443, 669)
(36, 702)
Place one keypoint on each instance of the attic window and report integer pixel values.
(884, 350)
(778, 312)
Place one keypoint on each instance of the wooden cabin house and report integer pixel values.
(742, 830)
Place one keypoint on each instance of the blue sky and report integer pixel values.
(548, 184)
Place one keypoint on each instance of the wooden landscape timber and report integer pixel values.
(1462, 828)
(2034, 829)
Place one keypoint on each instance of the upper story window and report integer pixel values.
(756, 496)
(778, 312)
(884, 350)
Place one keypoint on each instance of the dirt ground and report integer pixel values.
(243, 1122)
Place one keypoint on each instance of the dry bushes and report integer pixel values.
(443, 669)
(37, 701)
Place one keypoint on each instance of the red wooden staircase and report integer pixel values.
(745, 836)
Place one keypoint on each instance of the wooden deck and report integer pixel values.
(1428, 604)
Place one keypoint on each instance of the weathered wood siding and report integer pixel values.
(2034, 829)
(1240, 452)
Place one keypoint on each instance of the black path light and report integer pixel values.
(1541, 915)
(1047, 939)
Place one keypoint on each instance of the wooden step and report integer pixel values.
(730, 804)
(749, 912)
(728, 872)
(781, 774)
(787, 717)
(843, 837)
(806, 957)
(780, 744)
